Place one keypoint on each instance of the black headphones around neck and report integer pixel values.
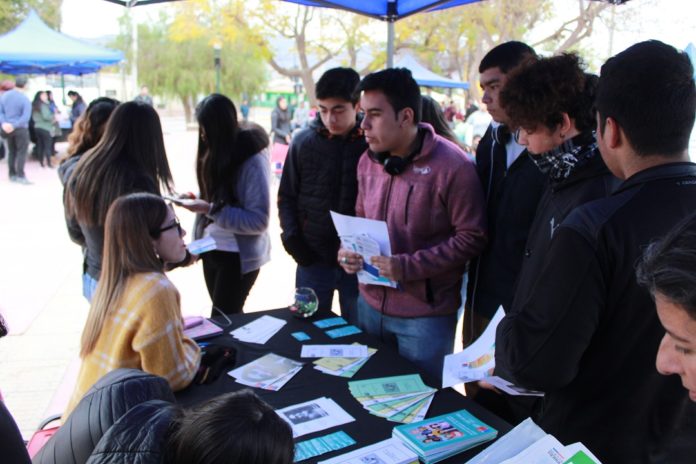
(501, 134)
(396, 165)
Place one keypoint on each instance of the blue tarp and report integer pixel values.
(385, 9)
(427, 78)
(34, 48)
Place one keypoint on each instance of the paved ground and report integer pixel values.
(40, 282)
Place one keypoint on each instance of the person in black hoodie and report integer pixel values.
(320, 175)
(551, 102)
(513, 186)
(587, 332)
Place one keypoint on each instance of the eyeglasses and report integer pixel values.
(176, 224)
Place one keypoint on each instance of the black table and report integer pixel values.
(310, 383)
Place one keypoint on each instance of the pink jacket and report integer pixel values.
(436, 219)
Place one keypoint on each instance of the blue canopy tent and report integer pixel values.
(34, 48)
(425, 77)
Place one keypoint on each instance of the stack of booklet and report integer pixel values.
(259, 330)
(403, 398)
(343, 367)
(269, 372)
(443, 436)
(527, 443)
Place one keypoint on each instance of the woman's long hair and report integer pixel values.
(37, 102)
(431, 112)
(130, 153)
(89, 127)
(223, 146)
(131, 224)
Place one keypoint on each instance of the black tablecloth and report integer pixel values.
(309, 383)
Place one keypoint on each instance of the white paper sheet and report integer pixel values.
(334, 351)
(476, 361)
(390, 451)
(259, 330)
(367, 237)
(313, 416)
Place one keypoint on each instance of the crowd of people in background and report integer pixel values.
(566, 210)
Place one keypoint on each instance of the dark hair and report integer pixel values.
(541, 91)
(223, 146)
(431, 112)
(3, 327)
(507, 56)
(234, 428)
(129, 157)
(72, 93)
(21, 81)
(36, 102)
(648, 89)
(89, 127)
(338, 83)
(398, 85)
(667, 266)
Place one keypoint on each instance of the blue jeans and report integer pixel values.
(422, 340)
(324, 280)
(89, 286)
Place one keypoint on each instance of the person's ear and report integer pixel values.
(406, 117)
(565, 125)
(613, 133)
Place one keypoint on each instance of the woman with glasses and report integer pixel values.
(135, 318)
(233, 172)
(129, 157)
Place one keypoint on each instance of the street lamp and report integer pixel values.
(217, 47)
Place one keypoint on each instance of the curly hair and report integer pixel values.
(90, 126)
(540, 92)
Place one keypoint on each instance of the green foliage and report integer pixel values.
(180, 65)
(12, 12)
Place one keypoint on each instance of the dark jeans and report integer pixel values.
(44, 146)
(422, 340)
(227, 286)
(17, 146)
(324, 280)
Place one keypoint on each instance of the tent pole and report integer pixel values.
(62, 85)
(390, 44)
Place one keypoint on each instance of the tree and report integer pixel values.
(472, 30)
(13, 12)
(175, 55)
(293, 22)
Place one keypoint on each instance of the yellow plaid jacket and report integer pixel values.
(144, 332)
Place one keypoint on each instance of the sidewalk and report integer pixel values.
(41, 289)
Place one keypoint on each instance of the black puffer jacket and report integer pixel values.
(320, 174)
(104, 405)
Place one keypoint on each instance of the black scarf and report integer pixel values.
(561, 161)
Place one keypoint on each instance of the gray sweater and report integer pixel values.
(248, 220)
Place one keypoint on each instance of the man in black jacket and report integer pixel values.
(513, 186)
(320, 175)
(587, 334)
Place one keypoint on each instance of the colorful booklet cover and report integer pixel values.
(443, 436)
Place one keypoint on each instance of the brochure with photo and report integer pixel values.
(313, 416)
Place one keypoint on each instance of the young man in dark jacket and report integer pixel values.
(587, 333)
(513, 186)
(320, 176)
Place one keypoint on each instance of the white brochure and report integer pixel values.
(259, 330)
(369, 238)
(313, 416)
(390, 451)
(476, 361)
(334, 351)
